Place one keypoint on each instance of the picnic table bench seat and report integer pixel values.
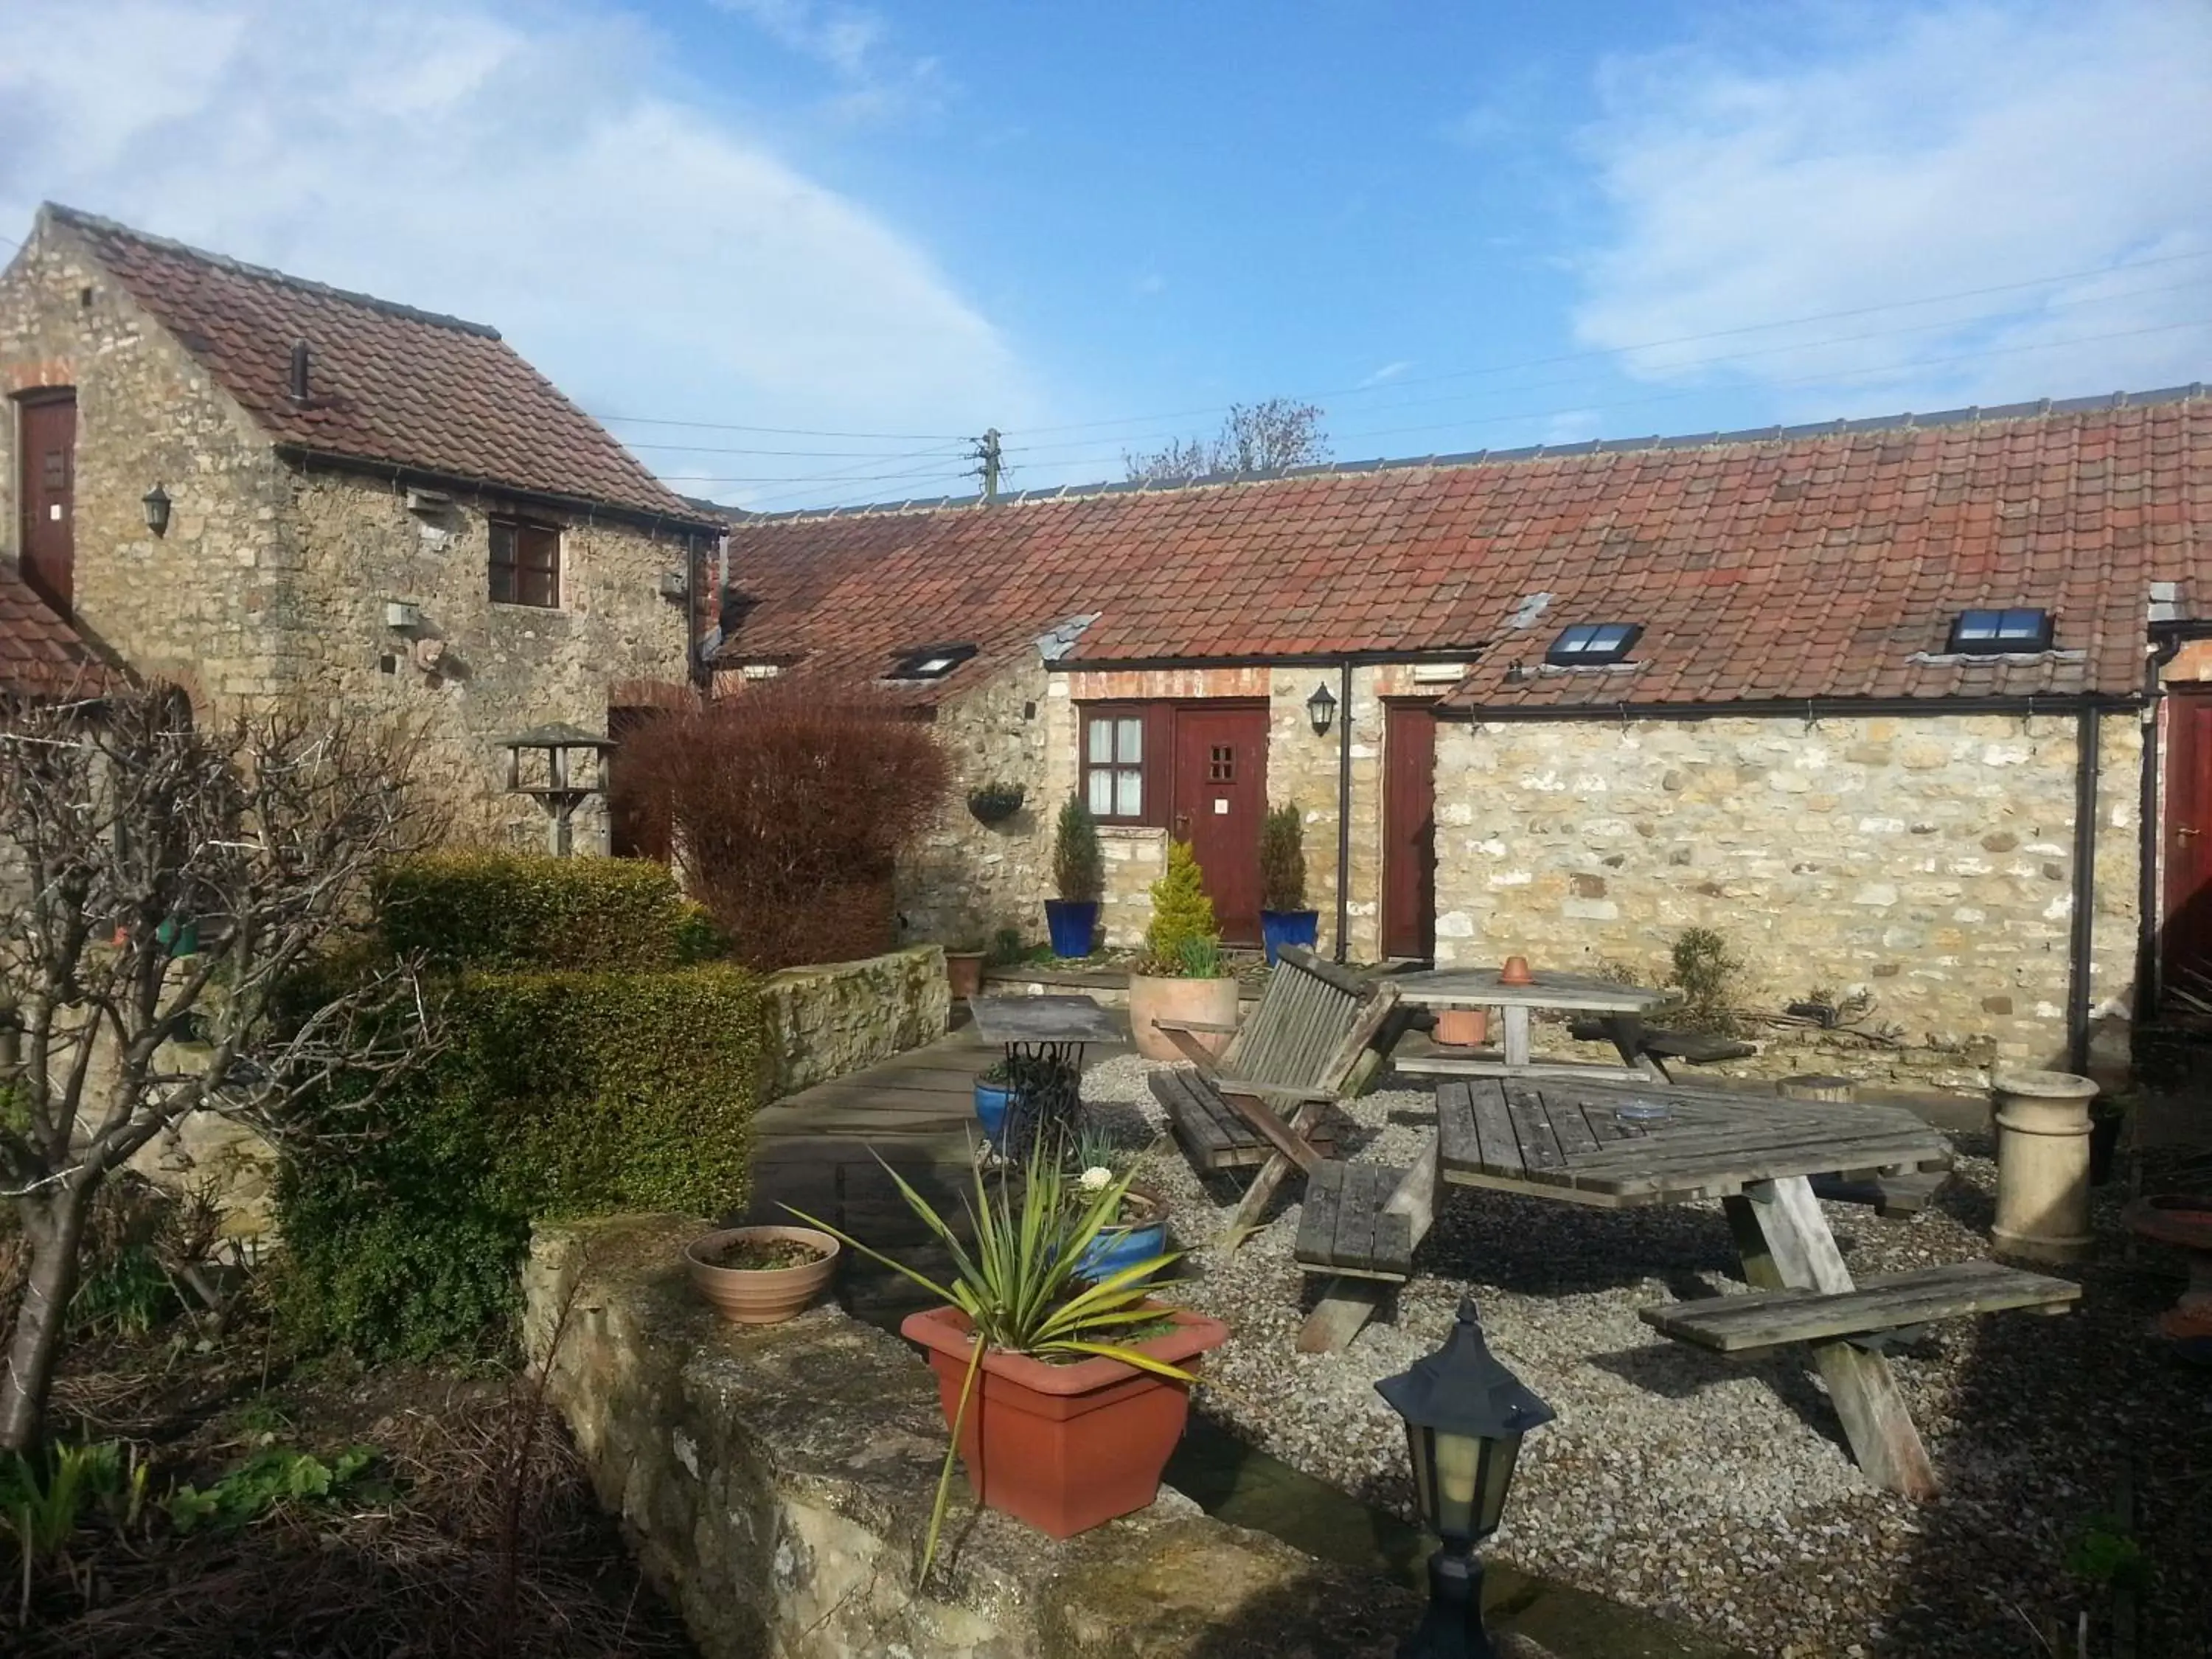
(1213, 1136)
(1347, 1227)
(1880, 1304)
(1697, 1048)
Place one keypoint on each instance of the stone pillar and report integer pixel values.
(2043, 1164)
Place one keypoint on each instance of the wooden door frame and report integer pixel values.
(2190, 701)
(19, 461)
(1392, 706)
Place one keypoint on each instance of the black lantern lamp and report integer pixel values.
(1465, 1414)
(156, 503)
(1320, 709)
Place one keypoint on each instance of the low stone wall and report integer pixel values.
(776, 1483)
(828, 1019)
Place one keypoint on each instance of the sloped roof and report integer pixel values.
(1824, 561)
(40, 656)
(387, 384)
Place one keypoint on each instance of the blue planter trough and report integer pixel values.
(1074, 923)
(1282, 927)
(1125, 1246)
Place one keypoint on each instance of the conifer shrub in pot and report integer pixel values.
(1181, 977)
(1062, 1397)
(1284, 918)
(1078, 876)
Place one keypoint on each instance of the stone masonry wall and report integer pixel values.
(1926, 861)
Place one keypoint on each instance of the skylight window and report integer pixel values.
(1592, 645)
(1993, 633)
(929, 662)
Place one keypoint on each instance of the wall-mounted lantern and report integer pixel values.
(156, 503)
(1320, 709)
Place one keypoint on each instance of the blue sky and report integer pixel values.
(1092, 227)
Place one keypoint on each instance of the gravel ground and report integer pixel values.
(1714, 1490)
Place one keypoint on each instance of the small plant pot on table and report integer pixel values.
(761, 1275)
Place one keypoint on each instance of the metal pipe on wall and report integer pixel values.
(1343, 808)
(2088, 733)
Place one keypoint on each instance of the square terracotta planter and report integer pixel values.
(1065, 1448)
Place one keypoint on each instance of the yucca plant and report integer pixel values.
(1019, 1286)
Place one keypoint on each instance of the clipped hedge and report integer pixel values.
(557, 1094)
(492, 909)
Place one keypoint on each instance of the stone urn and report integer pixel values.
(1200, 1001)
(2043, 1164)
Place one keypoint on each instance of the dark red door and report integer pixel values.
(1221, 796)
(2186, 937)
(46, 451)
(1409, 829)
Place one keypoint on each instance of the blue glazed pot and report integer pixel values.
(991, 1102)
(1074, 923)
(1125, 1246)
(1282, 927)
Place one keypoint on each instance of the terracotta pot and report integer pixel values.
(964, 970)
(1064, 1447)
(1515, 972)
(1209, 1001)
(760, 1296)
(1463, 1028)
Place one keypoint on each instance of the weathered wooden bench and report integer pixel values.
(1297, 1050)
(1695, 1048)
(1347, 1225)
(1873, 1307)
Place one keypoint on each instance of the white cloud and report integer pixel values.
(854, 45)
(536, 168)
(1970, 147)
(1386, 374)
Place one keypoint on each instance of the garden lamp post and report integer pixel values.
(1465, 1414)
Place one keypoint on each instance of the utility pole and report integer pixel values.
(987, 463)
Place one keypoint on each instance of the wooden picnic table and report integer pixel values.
(1621, 1008)
(1615, 1147)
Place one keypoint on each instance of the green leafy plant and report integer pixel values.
(1078, 862)
(271, 1476)
(994, 803)
(1282, 860)
(2104, 1555)
(998, 1073)
(1708, 975)
(1018, 1283)
(1202, 959)
(43, 1501)
(519, 910)
(1007, 948)
(1181, 914)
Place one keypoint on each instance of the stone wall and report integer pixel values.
(775, 1483)
(1924, 861)
(831, 1019)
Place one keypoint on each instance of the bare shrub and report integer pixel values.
(787, 807)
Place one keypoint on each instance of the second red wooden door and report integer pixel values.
(1220, 795)
(46, 486)
(1409, 829)
(2186, 938)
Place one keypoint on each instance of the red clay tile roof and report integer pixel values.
(1825, 562)
(40, 656)
(386, 383)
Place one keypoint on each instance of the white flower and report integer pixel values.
(1096, 1179)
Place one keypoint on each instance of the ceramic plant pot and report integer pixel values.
(1206, 1002)
(2042, 1165)
(1463, 1028)
(964, 970)
(1064, 1447)
(992, 1100)
(1282, 927)
(1139, 1237)
(1074, 923)
(760, 1296)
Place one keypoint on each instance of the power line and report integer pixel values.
(790, 431)
(816, 455)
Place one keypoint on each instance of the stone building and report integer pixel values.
(257, 486)
(1912, 712)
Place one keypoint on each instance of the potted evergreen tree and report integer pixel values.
(1284, 918)
(1079, 875)
(1182, 975)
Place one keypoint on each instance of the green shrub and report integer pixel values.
(556, 1094)
(1709, 977)
(1182, 914)
(517, 910)
(1078, 862)
(1282, 859)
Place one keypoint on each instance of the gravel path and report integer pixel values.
(1715, 1491)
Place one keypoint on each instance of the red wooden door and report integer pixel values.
(46, 484)
(1409, 829)
(2186, 938)
(1220, 795)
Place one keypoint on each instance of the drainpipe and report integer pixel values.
(2147, 847)
(1344, 809)
(2086, 733)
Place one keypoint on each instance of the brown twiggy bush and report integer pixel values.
(787, 807)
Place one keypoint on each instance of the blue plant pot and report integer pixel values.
(1120, 1246)
(1282, 927)
(1074, 922)
(991, 1102)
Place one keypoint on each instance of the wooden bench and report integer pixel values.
(1884, 1304)
(1347, 1225)
(1697, 1048)
(1298, 1051)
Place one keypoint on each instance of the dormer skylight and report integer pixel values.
(1592, 645)
(1997, 633)
(929, 662)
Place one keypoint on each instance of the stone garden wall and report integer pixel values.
(775, 1484)
(1924, 861)
(828, 1019)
